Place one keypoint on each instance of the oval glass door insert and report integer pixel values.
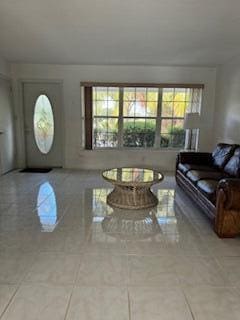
(43, 124)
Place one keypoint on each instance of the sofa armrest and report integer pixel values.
(231, 190)
(227, 220)
(198, 158)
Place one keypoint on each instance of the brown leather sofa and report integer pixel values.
(212, 180)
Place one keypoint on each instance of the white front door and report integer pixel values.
(7, 147)
(43, 124)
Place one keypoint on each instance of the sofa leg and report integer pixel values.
(227, 222)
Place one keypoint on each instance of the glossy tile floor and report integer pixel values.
(65, 254)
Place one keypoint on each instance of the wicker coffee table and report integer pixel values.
(132, 187)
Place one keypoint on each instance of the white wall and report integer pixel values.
(227, 110)
(4, 68)
(75, 155)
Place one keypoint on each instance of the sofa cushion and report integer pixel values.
(185, 167)
(208, 188)
(233, 165)
(222, 153)
(196, 175)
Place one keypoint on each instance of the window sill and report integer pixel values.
(136, 149)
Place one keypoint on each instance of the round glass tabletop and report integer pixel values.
(132, 175)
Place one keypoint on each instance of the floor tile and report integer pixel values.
(231, 267)
(14, 267)
(56, 231)
(209, 303)
(200, 271)
(105, 303)
(157, 245)
(73, 220)
(152, 271)
(103, 270)
(158, 303)
(20, 241)
(222, 247)
(6, 293)
(39, 302)
(4, 207)
(64, 241)
(100, 242)
(17, 223)
(54, 269)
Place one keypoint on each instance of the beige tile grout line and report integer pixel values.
(128, 278)
(21, 281)
(74, 285)
(189, 307)
(71, 294)
(10, 301)
(18, 287)
(25, 275)
(75, 281)
(129, 305)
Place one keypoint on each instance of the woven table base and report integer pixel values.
(129, 197)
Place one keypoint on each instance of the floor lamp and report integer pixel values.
(191, 124)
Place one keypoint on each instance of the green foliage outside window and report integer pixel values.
(141, 104)
(141, 134)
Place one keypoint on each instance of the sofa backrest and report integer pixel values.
(233, 165)
(222, 154)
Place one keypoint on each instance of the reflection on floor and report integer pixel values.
(134, 224)
(47, 207)
(65, 254)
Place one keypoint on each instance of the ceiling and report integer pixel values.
(136, 32)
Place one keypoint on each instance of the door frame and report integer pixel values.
(8, 78)
(62, 134)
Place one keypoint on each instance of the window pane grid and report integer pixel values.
(105, 116)
(139, 116)
(142, 117)
(175, 103)
(140, 102)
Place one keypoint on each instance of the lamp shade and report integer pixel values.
(192, 120)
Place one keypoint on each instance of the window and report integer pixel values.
(124, 116)
(105, 116)
(139, 116)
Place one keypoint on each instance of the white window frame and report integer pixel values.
(158, 118)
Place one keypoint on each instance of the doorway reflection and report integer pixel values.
(47, 207)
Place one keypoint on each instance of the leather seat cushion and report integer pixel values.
(185, 167)
(222, 153)
(233, 165)
(208, 188)
(196, 175)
